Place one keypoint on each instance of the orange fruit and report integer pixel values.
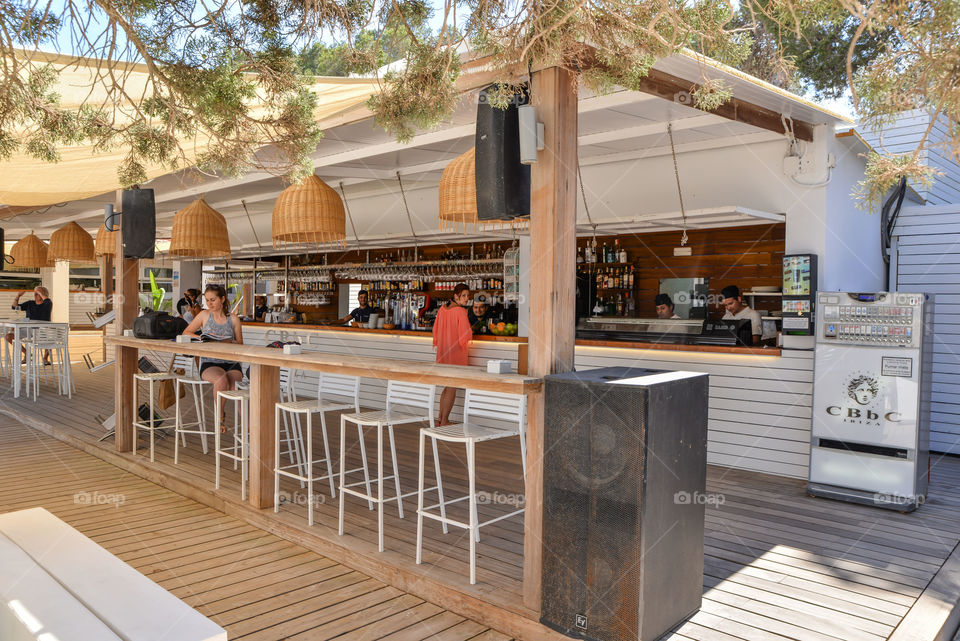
(501, 327)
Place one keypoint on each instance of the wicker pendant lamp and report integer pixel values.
(30, 251)
(71, 242)
(199, 231)
(309, 213)
(106, 243)
(458, 197)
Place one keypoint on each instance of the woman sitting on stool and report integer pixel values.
(218, 324)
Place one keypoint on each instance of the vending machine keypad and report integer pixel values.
(869, 324)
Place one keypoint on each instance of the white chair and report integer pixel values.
(190, 379)
(150, 424)
(410, 396)
(334, 392)
(239, 449)
(55, 341)
(508, 411)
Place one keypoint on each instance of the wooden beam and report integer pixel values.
(125, 303)
(553, 237)
(676, 89)
(264, 395)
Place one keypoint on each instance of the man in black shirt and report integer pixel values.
(359, 314)
(479, 316)
(37, 309)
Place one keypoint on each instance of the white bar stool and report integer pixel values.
(54, 340)
(190, 379)
(508, 413)
(334, 392)
(415, 396)
(239, 450)
(150, 424)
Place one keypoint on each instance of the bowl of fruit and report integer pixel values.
(503, 329)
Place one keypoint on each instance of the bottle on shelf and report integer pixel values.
(623, 255)
(579, 256)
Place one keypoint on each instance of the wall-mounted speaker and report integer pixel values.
(623, 517)
(3, 251)
(503, 183)
(138, 223)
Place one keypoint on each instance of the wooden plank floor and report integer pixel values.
(256, 585)
(778, 564)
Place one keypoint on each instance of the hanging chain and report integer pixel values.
(406, 208)
(676, 173)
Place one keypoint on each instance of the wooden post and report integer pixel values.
(106, 286)
(126, 305)
(264, 395)
(553, 218)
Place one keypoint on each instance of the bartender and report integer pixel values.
(479, 316)
(261, 308)
(360, 314)
(736, 310)
(664, 306)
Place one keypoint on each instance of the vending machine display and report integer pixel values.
(799, 293)
(871, 398)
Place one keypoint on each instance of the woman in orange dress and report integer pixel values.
(451, 338)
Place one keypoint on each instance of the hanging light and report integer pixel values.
(309, 213)
(30, 251)
(199, 231)
(71, 242)
(458, 197)
(106, 243)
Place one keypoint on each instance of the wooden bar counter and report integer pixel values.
(264, 386)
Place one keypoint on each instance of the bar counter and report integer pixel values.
(293, 328)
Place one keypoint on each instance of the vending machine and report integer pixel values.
(871, 398)
(799, 293)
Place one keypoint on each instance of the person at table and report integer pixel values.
(38, 309)
(261, 308)
(737, 310)
(219, 325)
(188, 303)
(664, 307)
(451, 339)
(361, 313)
(480, 316)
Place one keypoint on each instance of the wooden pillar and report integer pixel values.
(126, 305)
(264, 395)
(106, 286)
(553, 217)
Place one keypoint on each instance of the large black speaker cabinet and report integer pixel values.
(503, 182)
(138, 223)
(3, 251)
(625, 467)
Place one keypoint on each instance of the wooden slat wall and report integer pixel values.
(928, 260)
(743, 256)
(759, 405)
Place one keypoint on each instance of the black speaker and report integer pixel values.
(3, 251)
(138, 223)
(503, 183)
(624, 488)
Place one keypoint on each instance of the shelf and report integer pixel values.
(761, 293)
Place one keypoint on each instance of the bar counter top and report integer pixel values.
(673, 347)
(380, 368)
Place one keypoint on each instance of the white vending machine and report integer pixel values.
(871, 398)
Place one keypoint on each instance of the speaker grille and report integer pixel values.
(138, 223)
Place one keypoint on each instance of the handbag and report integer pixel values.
(157, 325)
(166, 396)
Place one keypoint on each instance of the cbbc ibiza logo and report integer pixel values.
(864, 390)
(714, 499)
(96, 498)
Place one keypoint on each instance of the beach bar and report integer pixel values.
(643, 213)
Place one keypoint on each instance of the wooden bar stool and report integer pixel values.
(334, 392)
(486, 416)
(410, 396)
(239, 449)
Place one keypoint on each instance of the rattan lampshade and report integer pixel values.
(30, 251)
(106, 243)
(458, 197)
(199, 231)
(309, 213)
(71, 242)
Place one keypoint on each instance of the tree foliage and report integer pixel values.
(210, 64)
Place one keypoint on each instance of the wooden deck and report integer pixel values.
(256, 585)
(779, 564)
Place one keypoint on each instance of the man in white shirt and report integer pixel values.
(736, 310)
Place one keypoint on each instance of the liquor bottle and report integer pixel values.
(579, 256)
(623, 255)
(615, 258)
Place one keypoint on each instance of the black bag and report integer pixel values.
(157, 325)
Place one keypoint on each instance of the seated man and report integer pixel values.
(737, 310)
(37, 309)
(664, 306)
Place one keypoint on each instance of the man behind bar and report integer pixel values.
(736, 310)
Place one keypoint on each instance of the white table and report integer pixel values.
(20, 327)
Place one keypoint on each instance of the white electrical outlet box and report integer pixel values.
(683, 251)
